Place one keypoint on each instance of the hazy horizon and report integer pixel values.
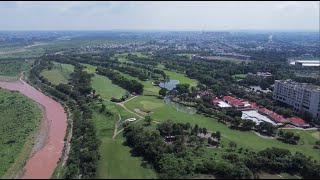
(160, 16)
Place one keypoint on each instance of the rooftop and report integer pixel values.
(304, 85)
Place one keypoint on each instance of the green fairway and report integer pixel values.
(239, 76)
(19, 119)
(116, 160)
(149, 89)
(243, 139)
(181, 77)
(103, 85)
(59, 73)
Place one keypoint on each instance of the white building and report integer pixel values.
(301, 96)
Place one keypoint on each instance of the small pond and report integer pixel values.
(180, 107)
(169, 85)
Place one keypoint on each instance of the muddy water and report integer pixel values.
(43, 162)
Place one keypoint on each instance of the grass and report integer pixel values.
(103, 85)
(181, 77)
(239, 76)
(243, 139)
(116, 161)
(59, 73)
(19, 119)
(149, 89)
(185, 54)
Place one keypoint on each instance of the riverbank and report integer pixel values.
(43, 162)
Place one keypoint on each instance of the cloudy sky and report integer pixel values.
(137, 15)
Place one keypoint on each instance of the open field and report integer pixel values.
(161, 112)
(103, 85)
(122, 57)
(59, 73)
(19, 119)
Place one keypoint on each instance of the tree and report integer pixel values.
(204, 131)
(148, 119)
(163, 92)
(218, 135)
(103, 108)
(232, 145)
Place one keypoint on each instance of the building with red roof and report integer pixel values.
(297, 121)
(272, 115)
(233, 101)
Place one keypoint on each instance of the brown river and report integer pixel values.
(43, 161)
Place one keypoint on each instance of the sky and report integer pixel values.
(160, 15)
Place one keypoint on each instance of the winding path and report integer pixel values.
(41, 164)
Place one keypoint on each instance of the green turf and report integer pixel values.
(117, 162)
(181, 77)
(103, 85)
(58, 74)
(239, 76)
(19, 119)
(243, 139)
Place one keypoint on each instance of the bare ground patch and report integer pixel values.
(140, 112)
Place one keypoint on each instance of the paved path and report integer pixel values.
(116, 132)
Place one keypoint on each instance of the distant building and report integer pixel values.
(307, 55)
(261, 74)
(234, 55)
(301, 96)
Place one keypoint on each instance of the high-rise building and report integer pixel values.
(301, 96)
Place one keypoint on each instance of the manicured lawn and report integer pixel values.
(181, 77)
(239, 76)
(148, 89)
(19, 119)
(60, 73)
(103, 85)
(117, 162)
(243, 139)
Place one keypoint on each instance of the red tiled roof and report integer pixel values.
(297, 120)
(265, 111)
(274, 116)
(233, 101)
(216, 100)
(277, 117)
